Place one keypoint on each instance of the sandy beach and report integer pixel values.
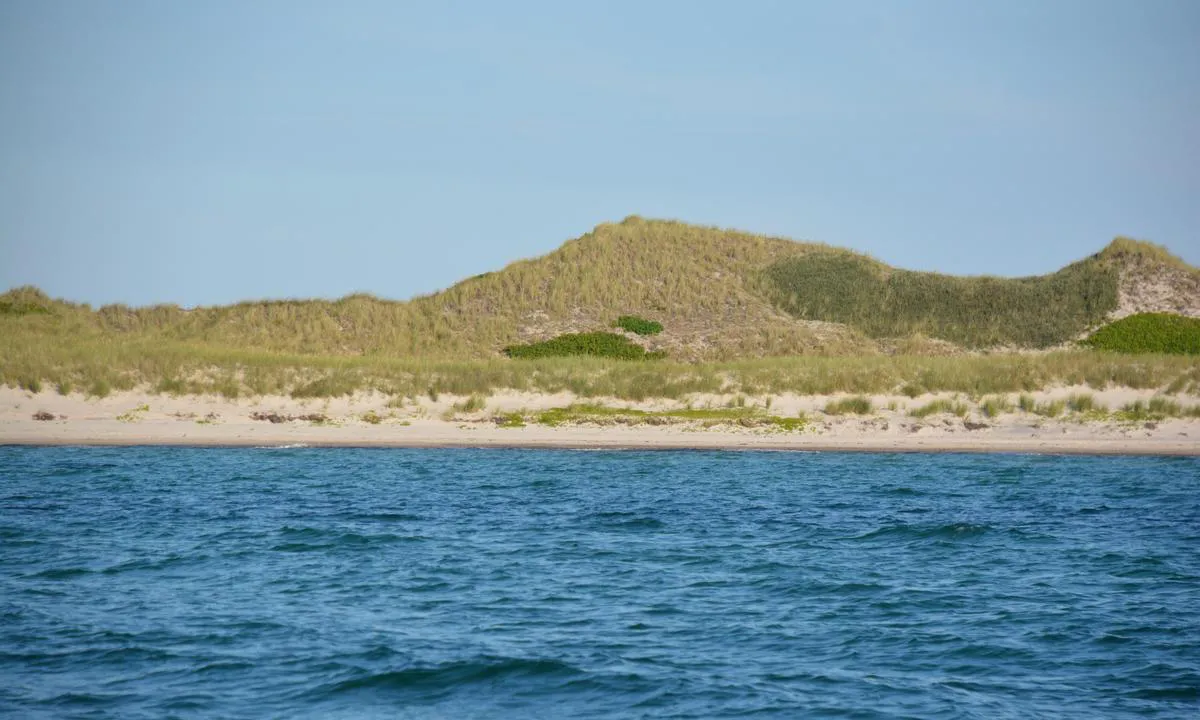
(141, 418)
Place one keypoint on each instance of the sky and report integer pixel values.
(208, 152)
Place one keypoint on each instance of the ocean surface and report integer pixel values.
(320, 583)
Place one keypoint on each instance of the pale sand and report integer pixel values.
(215, 421)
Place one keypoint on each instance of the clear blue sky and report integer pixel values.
(206, 152)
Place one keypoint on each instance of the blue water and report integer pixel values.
(305, 583)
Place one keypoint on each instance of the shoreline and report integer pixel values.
(375, 421)
(1082, 449)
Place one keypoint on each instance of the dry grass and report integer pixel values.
(98, 364)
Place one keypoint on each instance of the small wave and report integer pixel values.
(223, 666)
(624, 520)
(949, 531)
(306, 539)
(386, 517)
(163, 564)
(288, 446)
(88, 699)
(455, 675)
(61, 573)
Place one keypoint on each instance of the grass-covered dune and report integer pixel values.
(718, 294)
(699, 302)
(971, 311)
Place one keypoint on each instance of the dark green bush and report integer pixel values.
(1149, 333)
(973, 311)
(641, 326)
(602, 344)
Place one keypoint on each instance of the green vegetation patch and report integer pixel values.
(857, 405)
(972, 311)
(510, 420)
(1149, 333)
(707, 417)
(641, 326)
(941, 407)
(995, 405)
(1157, 408)
(599, 344)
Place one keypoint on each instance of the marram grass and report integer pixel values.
(99, 365)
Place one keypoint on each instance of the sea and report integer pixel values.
(460, 583)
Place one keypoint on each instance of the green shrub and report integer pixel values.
(641, 326)
(1149, 333)
(857, 405)
(1026, 403)
(601, 344)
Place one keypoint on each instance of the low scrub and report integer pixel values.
(641, 326)
(598, 344)
(1149, 333)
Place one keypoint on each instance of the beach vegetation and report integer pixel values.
(1050, 408)
(706, 417)
(472, 404)
(596, 344)
(856, 405)
(638, 325)
(1149, 333)
(1156, 408)
(1082, 403)
(940, 406)
(510, 420)
(995, 405)
(844, 287)
(100, 388)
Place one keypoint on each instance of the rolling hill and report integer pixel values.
(720, 294)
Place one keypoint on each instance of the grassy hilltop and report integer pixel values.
(719, 295)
